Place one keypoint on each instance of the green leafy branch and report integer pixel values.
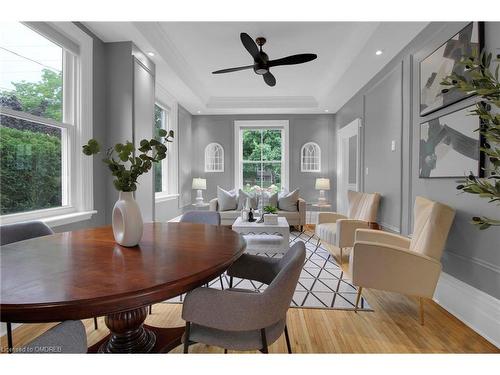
(152, 151)
(479, 80)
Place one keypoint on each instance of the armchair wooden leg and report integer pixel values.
(186, 337)
(358, 297)
(150, 309)
(421, 302)
(9, 337)
(287, 338)
(95, 324)
(221, 284)
(230, 281)
(264, 341)
(225, 351)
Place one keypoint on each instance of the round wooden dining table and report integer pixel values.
(85, 273)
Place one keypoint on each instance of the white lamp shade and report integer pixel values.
(199, 184)
(322, 184)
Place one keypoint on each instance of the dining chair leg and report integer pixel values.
(9, 337)
(230, 281)
(340, 258)
(264, 341)
(95, 323)
(150, 309)
(287, 338)
(221, 284)
(225, 351)
(421, 301)
(358, 297)
(186, 337)
(317, 244)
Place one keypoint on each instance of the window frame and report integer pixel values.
(240, 126)
(170, 179)
(318, 156)
(222, 156)
(76, 126)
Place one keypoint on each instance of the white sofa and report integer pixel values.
(293, 217)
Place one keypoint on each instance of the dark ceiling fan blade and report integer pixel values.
(229, 70)
(249, 44)
(294, 59)
(269, 78)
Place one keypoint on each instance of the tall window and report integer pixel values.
(37, 120)
(310, 157)
(262, 159)
(214, 158)
(161, 172)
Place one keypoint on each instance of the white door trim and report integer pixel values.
(344, 133)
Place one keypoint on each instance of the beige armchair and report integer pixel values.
(339, 230)
(391, 262)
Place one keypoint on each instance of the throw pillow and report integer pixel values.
(288, 202)
(242, 198)
(271, 199)
(227, 200)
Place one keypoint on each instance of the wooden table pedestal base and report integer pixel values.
(129, 334)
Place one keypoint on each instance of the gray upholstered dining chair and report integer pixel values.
(66, 337)
(240, 319)
(201, 217)
(11, 233)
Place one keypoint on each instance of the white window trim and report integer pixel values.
(249, 124)
(302, 169)
(223, 160)
(82, 187)
(165, 100)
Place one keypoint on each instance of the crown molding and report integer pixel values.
(160, 41)
(220, 102)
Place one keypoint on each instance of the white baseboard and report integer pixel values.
(476, 309)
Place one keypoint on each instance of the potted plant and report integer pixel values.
(270, 216)
(126, 164)
(483, 81)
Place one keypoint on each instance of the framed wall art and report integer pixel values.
(450, 146)
(442, 62)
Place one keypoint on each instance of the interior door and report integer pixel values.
(348, 161)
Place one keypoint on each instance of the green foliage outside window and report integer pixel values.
(262, 156)
(30, 153)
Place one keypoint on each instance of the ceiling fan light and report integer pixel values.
(261, 71)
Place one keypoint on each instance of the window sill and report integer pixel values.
(54, 220)
(165, 197)
(74, 217)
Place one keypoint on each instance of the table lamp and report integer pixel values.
(322, 184)
(199, 184)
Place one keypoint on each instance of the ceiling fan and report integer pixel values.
(261, 63)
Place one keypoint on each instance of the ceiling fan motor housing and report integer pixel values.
(261, 61)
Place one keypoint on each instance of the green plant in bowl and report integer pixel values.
(270, 210)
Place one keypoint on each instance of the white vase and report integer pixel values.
(127, 220)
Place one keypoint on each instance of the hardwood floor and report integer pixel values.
(392, 328)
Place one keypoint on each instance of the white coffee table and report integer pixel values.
(264, 238)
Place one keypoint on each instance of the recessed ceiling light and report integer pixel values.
(151, 54)
(326, 110)
(379, 52)
(199, 111)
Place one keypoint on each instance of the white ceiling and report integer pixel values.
(187, 52)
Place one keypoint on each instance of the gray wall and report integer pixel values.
(471, 255)
(186, 155)
(303, 128)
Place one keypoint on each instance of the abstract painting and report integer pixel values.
(449, 145)
(441, 63)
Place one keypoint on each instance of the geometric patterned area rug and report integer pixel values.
(322, 284)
